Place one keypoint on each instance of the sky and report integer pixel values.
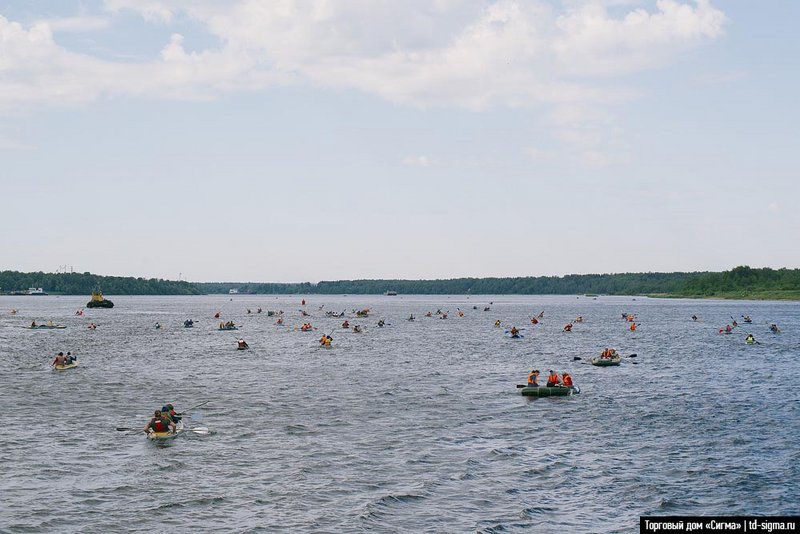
(307, 140)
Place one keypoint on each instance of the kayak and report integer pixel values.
(544, 391)
(516, 336)
(65, 366)
(242, 348)
(161, 436)
(229, 328)
(47, 327)
(750, 341)
(606, 362)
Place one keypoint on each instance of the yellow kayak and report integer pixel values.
(158, 436)
(65, 366)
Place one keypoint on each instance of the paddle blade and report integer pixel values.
(521, 386)
(632, 355)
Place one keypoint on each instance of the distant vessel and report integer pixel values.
(30, 291)
(391, 293)
(98, 301)
(233, 291)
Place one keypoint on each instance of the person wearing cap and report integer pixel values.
(532, 383)
(169, 411)
(159, 423)
(552, 379)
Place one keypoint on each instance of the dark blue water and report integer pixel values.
(408, 428)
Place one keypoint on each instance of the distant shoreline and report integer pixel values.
(739, 283)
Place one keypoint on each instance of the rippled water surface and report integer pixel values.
(413, 427)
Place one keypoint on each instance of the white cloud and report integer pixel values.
(417, 161)
(461, 53)
(77, 24)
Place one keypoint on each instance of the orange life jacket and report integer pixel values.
(532, 379)
(553, 378)
(567, 380)
(633, 327)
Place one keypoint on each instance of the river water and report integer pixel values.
(414, 427)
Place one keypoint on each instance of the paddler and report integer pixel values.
(346, 324)
(159, 423)
(568, 327)
(170, 412)
(750, 339)
(356, 329)
(70, 358)
(534, 320)
(552, 379)
(567, 380)
(325, 341)
(497, 323)
(242, 344)
(59, 360)
(532, 382)
(633, 327)
(514, 331)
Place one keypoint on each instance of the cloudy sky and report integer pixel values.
(305, 140)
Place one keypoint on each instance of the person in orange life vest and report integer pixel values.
(532, 382)
(567, 380)
(534, 321)
(633, 327)
(552, 379)
(159, 423)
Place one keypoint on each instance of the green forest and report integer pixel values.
(85, 283)
(740, 282)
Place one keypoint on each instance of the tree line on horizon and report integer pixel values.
(85, 283)
(742, 280)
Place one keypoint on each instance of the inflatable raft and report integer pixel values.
(606, 362)
(47, 327)
(544, 391)
(66, 366)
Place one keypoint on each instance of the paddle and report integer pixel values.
(126, 429)
(193, 407)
